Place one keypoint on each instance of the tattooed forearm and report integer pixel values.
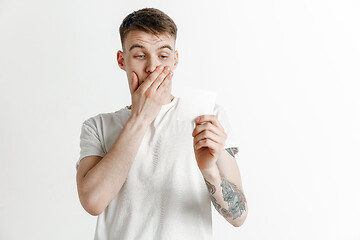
(234, 197)
(230, 202)
(216, 205)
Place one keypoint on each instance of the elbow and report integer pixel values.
(92, 207)
(240, 221)
(90, 200)
(93, 211)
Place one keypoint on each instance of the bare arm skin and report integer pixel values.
(98, 185)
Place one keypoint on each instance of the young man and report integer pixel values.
(142, 172)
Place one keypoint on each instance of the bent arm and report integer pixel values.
(98, 185)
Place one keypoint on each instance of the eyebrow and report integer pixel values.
(142, 47)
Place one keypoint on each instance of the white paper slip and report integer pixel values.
(194, 102)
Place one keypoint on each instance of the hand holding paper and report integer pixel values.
(208, 135)
(209, 141)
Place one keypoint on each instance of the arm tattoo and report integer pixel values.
(234, 197)
(210, 187)
(230, 151)
(231, 193)
(216, 205)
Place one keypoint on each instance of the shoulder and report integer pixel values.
(107, 117)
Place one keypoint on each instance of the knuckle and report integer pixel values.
(164, 73)
(152, 77)
(142, 91)
(159, 71)
(148, 94)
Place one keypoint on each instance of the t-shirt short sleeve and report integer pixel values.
(90, 143)
(231, 140)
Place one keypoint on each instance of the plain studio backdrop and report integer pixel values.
(286, 72)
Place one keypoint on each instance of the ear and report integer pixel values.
(176, 57)
(120, 59)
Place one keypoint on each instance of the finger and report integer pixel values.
(208, 126)
(134, 82)
(166, 83)
(206, 143)
(151, 78)
(209, 118)
(209, 135)
(161, 77)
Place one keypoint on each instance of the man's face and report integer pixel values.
(143, 52)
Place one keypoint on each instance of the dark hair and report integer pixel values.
(149, 20)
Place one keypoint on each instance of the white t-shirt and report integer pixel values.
(164, 195)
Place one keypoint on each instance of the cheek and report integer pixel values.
(132, 66)
(170, 63)
(132, 62)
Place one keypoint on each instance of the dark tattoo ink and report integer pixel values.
(225, 213)
(230, 151)
(216, 205)
(211, 188)
(234, 197)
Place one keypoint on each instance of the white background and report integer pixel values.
(287, 73)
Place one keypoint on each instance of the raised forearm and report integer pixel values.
(228, 199)
(104, 181)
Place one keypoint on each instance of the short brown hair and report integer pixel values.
(149, 20)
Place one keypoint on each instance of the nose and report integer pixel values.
(151, 64)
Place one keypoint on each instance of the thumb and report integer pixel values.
(134, 82)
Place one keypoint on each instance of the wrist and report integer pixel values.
(137, 121)
(211, 172)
